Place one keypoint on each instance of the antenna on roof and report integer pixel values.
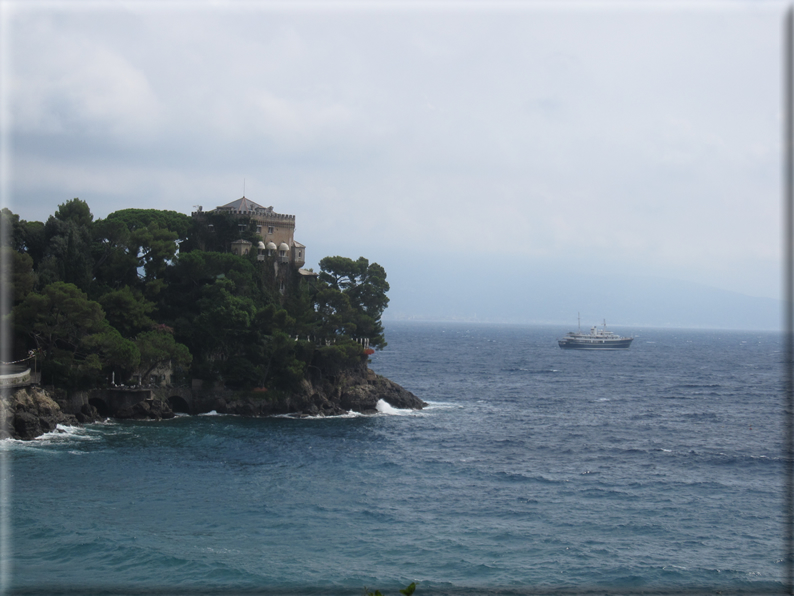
(243, 187)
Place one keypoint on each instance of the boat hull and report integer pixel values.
(595, 344)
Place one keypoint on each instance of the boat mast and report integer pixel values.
(579, 322)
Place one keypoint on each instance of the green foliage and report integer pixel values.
(76, 212)
(158, 347)
(127, 312)
(365, 288)
(17, 275)
(337, 357)
(137, 219)
(67, 250)
(105, 295)
(72, 334)
(135, 247)
(12, 235)
(215, 232)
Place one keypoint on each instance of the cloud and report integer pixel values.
(77, 85)
(622, 139)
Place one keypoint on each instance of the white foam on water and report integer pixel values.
(349, 414)
(442, 405)
(385, 408)
(60, 434)
(210, 413)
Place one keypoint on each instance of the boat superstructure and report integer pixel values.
(597, 339)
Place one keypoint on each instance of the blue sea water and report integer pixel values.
(532, 470)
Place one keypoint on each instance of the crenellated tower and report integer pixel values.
(276, 231)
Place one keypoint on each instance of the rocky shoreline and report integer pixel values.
(32, 411)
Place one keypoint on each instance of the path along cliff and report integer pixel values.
(28, 412)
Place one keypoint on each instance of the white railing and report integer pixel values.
(363, 341)
(22, 378)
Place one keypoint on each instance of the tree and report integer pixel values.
(76, 212)
(17, 275)
(272, 349)
(72, 334)
(214, 232)
(365, 287)
(67, 252)
(335, 314)
(224, 319)
(155, 248)
(136, 219)
(127, 311)
(115, 260)
(158, 347)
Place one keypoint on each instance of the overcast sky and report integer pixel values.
(466, 148)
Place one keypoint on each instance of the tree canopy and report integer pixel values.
(143, 288)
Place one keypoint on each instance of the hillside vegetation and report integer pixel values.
(115, 297)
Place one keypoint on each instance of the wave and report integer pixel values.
(442, 405)
(348, 414)
(385, 408)
(60, 434)
(210, 413)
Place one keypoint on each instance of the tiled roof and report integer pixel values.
(243, 204)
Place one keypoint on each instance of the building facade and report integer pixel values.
(276, 230)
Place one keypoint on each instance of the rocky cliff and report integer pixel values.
(32, 411)
(357, 390)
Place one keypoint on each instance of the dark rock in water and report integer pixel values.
(357, 389)
(147, 409)
(26, 426)
(88, 413)
(395, 395)
(31, 412)
(363, 395)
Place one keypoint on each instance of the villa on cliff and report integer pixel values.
(276, 231)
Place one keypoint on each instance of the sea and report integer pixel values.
(533, 470)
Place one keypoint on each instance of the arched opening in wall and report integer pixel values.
(178, 404)
(100, 406)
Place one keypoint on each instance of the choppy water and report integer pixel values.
(533, 468)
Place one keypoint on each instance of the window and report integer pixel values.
(258, 229)
(269, 229)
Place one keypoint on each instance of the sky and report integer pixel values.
(511, 162)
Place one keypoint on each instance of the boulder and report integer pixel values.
(30, 412)
(147, 409)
